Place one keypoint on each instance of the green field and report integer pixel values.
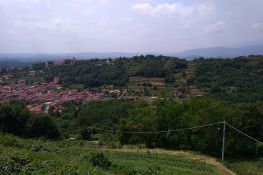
(245, 167)
(18, 156)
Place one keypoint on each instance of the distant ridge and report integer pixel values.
(223, 52)
(80, 55)
(83, 55)
(217, 52)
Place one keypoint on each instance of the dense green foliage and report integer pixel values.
(235, 80)
(106, 113)
(99, 160)
(95, 72)
(9, 64)
(15, 119)
(90, 73)
(245, 167)
(157, 66)
(166, 115)
(238, 79)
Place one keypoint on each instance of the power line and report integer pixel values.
(256, 140)
(174, 130)
(94, 128)
(105, 130)
(151, 132)
(178, 130)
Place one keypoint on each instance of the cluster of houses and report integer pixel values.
(45, 96)
(66, 61)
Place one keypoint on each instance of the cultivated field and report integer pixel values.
(18, 156)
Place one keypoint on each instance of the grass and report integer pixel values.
(71, 157)
(252, 167)
(67, 157)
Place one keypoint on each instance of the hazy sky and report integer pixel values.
(60, 26)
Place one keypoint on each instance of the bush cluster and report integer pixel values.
(16, 120)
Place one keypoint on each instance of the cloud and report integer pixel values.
(133, 25)
(44, 3)
(163, 8)
(218, 26)
(143, 7)
(205, 9)
(32, 1)
(257, 26)
(53, 25)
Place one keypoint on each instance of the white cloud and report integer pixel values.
(205, 9)
(133, 25)
(44, 3)
(164, 8)
(257, 26)
(143, 7)
(31, 1)
(218, 26)
(54, 25)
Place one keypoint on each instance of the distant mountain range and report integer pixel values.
(84, 55)
(223, 52)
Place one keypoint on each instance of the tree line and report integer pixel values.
(99, 72)
(17, 120)
(131, 116)
(165, 115)
(239, 79)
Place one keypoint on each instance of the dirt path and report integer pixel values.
(188, 154)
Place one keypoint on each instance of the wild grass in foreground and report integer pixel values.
(252, 167)
(19, 156)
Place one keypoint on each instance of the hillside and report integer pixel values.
(83, 107)
(239, 79)
(74, 157)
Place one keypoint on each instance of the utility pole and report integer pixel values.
(112, 133)
(91, 134)
(46, 63)
(74, 131)
(223, 144)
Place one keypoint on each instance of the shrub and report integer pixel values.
(155, 170)
(99, 160)
(8, 140)
(259, 148)
(42, 126)
(12, 164)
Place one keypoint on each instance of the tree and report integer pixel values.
(13, 118)
(42, 126)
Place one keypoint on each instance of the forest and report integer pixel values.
(238, 79)
(96, 72)
(125, 116)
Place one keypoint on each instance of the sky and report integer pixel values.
(164, 26)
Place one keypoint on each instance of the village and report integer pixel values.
(42, 96)
(45, 96)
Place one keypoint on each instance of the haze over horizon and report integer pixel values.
(167, 26)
